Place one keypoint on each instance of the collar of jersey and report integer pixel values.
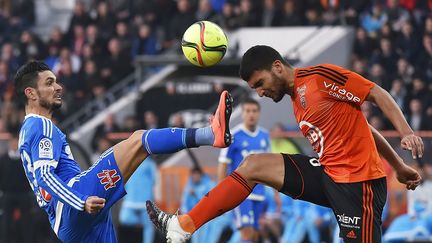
(248, 132)
(34, 115)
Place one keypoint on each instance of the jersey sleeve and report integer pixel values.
(46, 148)
(345, 85)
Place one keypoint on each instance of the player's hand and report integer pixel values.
(408, 176)
(94, 204)
(413, 143)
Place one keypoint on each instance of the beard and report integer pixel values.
(279, 86)
(49, 106)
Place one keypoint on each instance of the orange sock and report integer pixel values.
(228, 194)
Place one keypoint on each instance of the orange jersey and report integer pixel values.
(326, 102)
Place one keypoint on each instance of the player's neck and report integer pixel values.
(38, 110)
(250, 128)
(290, 76)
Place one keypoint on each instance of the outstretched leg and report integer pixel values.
(259, 168)
(130, 153)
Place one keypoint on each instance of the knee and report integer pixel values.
(250, 167)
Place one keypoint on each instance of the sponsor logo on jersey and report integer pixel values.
(46, 148)
(340, 93)
(349, 222)
(108, 178)
(301, 91)
(314, 135)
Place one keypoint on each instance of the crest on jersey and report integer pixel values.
(108, 178)
(46, 148)
(301, 91)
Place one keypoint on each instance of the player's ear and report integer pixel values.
(30, 93)
(277, 66)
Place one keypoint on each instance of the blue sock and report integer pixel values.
(170, 140)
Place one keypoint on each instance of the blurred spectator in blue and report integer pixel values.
(145, 43)
(217, 5)
(363, 44)
(290, 15)
(407, 43)
(306, 220)
(66, 56)
(373, 20)
(416, 225)
(139, 188)
(205, 10)
(196, 187)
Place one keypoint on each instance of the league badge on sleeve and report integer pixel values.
(46, 149)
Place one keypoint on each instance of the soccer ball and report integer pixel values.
(204, 44)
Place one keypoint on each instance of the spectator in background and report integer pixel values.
(405, 71)
(68, 78)
(104, 21)
(205, 10)
(78, 40)
(145, 42)
(407, 43)
(108, 126)
(15, 197)
(96, 42)
(271, 15)
(179, 23)
(79, 17)
(386, 31)
(246, 14)
(102, 144)
(363, 44)
(5, 78)
(8, 55)
(386, 56)
(415, 118)
(130, 124)
(290, 15)
(196, 187)
(360, 66)
(67, 56)
(424, 59)
(398, 92)
(151, 120)
(140, 187)
(374, 19)
(117, 65)
(124, 37)
(227, 18)
(30, 46)
(379, 75)
(88, 76)
(377, 122)
(396, 14)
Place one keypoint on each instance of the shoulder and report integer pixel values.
(40, 125)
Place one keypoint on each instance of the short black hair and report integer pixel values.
(250, 101)
(259, 57)
(27, 76)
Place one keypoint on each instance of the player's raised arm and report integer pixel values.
(388, 106)
(404, 173)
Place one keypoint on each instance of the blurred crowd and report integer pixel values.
(392, 47)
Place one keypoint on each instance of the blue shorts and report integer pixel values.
(102, 179)
(248, 213)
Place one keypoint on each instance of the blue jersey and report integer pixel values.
(246, 142)
(48, 164)
(60, 187)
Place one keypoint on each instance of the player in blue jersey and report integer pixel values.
(78, 202)
(248, 138)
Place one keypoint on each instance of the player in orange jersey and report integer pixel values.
(348, 176)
